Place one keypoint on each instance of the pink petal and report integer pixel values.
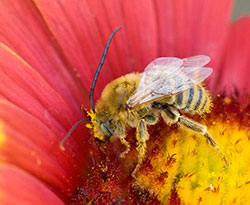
(18, 187)
(81, 28)
(25, 87)
(193, 27)
(85, 27)
(234, 74)
(141, 31)
(35, 118)
(24, 31)
(29, 144)
(81, 38)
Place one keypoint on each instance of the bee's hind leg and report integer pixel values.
(141, 136)
(171, 115)
(122, 136)
(201, 129)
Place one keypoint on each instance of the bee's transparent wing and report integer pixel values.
(152, 78)
(193, 76)
(196, 61)
(165, 76)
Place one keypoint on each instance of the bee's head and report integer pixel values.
(104, 130)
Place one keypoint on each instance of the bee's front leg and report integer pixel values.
(122, 136)
(141, 136)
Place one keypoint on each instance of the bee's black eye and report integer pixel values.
(106, 129)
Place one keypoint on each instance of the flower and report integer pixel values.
(50, 51)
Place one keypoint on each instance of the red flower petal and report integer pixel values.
(80, 38)
(87, 23)
(18, 187)
(157, 28)
(66, 22)
(193, 27)
(236, 65)
(24, 31)
(34, 123)
(141, 30)
(25, 87)
(31, 145)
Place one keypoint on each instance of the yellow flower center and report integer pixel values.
(184, 162)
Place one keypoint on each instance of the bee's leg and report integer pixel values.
(198, 128)
(151, 119)
(203, 130)
(170, 114)
(141, 136)
(122, 136)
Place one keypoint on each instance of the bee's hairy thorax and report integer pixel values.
(114, 96)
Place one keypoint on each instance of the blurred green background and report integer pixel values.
(241, 7)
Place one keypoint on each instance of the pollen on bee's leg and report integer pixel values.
(122, 136)
(142, 150)
(93, 125)
(142, 136)
(122, 155)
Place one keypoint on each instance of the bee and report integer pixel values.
(169, 87)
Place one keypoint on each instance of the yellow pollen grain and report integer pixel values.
(196, 170)
(227, 100)
(92, 126)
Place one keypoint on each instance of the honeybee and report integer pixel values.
(167, 85)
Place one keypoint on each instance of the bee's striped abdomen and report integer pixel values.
(180, 100)
(200, 91)
(194, 99)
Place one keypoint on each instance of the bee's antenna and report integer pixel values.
(70, 132)
(99, 68)
(91, 89)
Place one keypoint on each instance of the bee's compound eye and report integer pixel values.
(106, 130)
